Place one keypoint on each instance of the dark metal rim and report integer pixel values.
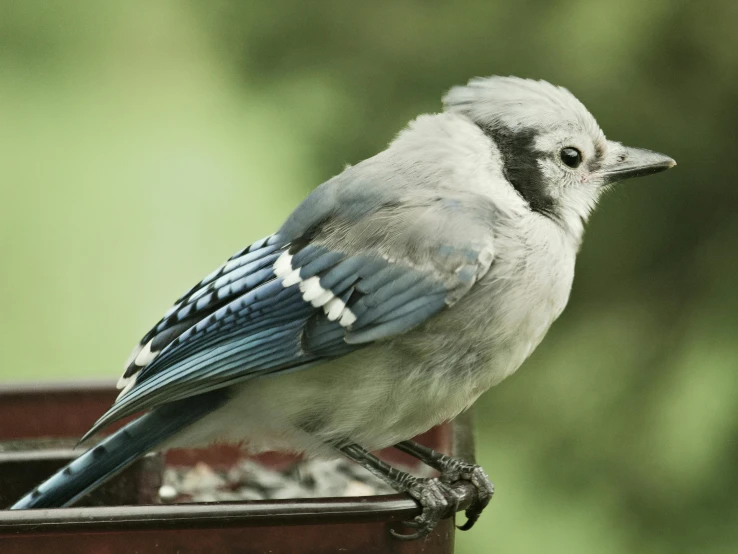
(293, 512)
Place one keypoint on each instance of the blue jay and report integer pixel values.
(391, 298)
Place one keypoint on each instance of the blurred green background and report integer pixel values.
(144, 142)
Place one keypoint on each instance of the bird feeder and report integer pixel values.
(40, 426)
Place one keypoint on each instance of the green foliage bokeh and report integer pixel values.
(144, 142)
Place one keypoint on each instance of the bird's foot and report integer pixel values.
(437, 500)
(453, 471)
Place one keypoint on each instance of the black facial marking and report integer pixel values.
(521, 167)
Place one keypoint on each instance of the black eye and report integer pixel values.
(571, 157)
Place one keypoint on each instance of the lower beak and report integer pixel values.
(636, 162)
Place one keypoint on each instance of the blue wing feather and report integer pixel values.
(423, 309)
(242, 272)
(242, 321)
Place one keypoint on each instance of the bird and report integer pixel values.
(390, 299)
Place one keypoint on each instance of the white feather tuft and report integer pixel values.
(347, 318)
(145, 356)
(292, 278)
(323, 299)
(311, 289)
(130, 383)
(334, 308)
(132, 356)
(283, 265)
(123, 382)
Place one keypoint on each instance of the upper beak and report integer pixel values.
(636, 162)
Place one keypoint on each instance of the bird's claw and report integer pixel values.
(437, 500)
(483, 487)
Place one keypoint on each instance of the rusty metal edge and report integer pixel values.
(188, 516)
(34, 455)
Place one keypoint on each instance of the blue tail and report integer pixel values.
(118, 451)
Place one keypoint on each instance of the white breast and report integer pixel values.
(533, 291)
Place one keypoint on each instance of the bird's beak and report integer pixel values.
(635, 162)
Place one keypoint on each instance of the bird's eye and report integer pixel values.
(571, 157)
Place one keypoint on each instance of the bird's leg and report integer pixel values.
(436, 498)
(452, 470)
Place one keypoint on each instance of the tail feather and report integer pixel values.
(118, 451)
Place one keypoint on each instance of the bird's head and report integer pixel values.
(552, 150)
